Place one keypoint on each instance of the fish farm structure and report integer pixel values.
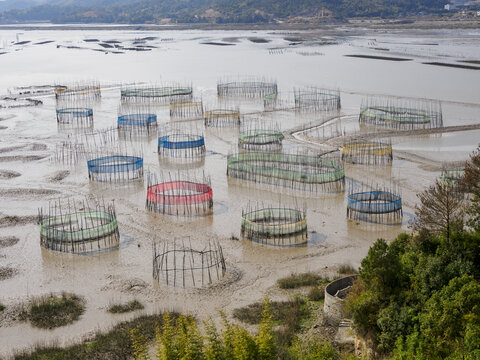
(451, 178)
(222, 118)
(75, 227)
(313, 99)
(86, 91)
(378, 206)
(397, 115)
(75, 116)
(260, 140)
(183, 146)
(277, 226)
(302, 172)
(179, 197)
(188, 268)
(367, 152)
(246, 88)
(186, 110)
(141, 122)
(115, 168)
(156, 94)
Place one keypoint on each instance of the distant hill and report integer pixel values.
(219, 11)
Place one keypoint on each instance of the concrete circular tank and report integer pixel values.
(335, 294)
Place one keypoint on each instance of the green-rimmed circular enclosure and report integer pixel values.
(401, 118)
(271, 224)
(80, 231)
(164, 93)
(260, 139)
(305, 172)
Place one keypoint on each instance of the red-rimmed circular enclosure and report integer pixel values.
(179, 197)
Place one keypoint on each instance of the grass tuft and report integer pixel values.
(346, 269)
(2, 307)
(52, 311)
(316, 293)
(298, 280)
(124, 308)
(112, 345)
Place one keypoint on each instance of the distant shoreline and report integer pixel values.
(399, 24)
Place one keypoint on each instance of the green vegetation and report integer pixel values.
(52, 311)
(282, 311)
(419, 296)
(182, 339)
(346, 269)
(316, 293)
(124, 308)
(2, 307)
(114, 344)
(216, 11)
(298, 280)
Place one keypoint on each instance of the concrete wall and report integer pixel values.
(334, 297)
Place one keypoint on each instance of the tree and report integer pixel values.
(440, 211)
(471, 184)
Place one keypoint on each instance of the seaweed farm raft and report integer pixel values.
(162, 95)
(302, 172)
(180, 197)
(64, 227)
(187, 267)
(378, 206)
(401, 116)
(367, 152)
(115, 168)
(275, 226)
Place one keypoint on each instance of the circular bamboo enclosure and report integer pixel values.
(275, 226)
(75, 116)
(246, 89)
(302, 172)
(137, 122)
(367, 152)
(78, 91)
(180, 197)
(70, 230)
(260, 140)
(451, 179)
(375, 206)
(400, 118)
(181, 146)
(115, 168)
(222, 118)
(188, 268)
(186, 110)
(163, 94)
(312, 99)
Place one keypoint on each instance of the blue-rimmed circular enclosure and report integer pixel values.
(113, 168)
(75, 116)
(381, 205)
(181, 145)
(134, 120)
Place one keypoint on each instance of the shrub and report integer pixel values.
(298, 280)
(124, 308)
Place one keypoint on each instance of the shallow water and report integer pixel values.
(126, 273)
